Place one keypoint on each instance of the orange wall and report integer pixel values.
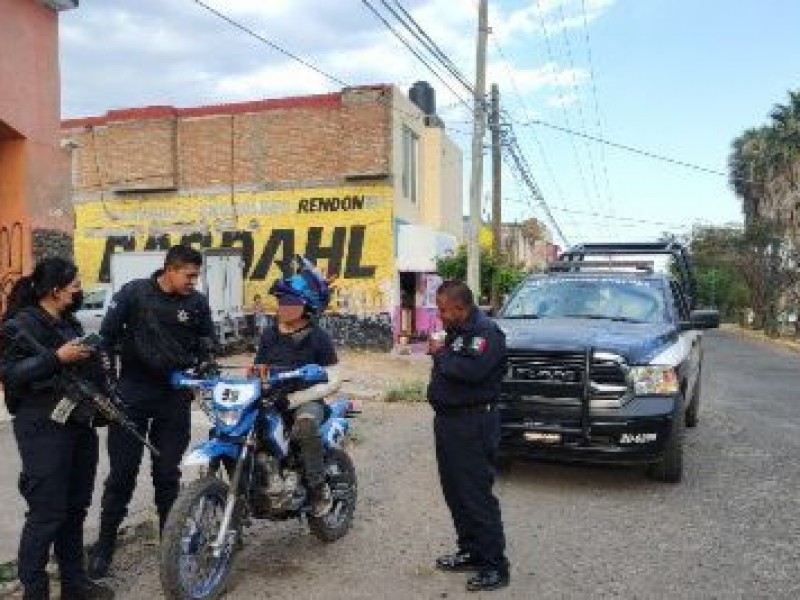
(34, 170)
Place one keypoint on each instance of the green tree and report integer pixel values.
(455, 267)
(719, 282)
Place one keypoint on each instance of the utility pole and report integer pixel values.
(476, 181)
(497, 216)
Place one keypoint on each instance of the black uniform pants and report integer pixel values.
(164, 418)
(466, 450)
(59, 463)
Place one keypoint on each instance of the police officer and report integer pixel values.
(159, 324)
(56, 439)
(468, 366)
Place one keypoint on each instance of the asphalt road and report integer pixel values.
(729, 530)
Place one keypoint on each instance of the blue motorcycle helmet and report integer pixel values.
(307, 287)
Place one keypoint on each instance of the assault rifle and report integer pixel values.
(78, 391)
(109, 409)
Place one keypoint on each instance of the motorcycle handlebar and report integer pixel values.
(307, 373)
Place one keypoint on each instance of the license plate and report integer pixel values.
(542, 437)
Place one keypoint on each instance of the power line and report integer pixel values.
(411, 49)
(597, 113)
(524, 171)
(269, 42)
(576, 91)
(551, 56)
(616, 218)
(524, 107)
(631, 220)
(413, 27)
(625, 147)
(306, 63)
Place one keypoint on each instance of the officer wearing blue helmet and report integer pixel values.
(294, 340)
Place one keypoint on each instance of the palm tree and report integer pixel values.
(764, 165)
(785, 145)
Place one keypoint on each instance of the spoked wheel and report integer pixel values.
(191, 566)
(341, 477)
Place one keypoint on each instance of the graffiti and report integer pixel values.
(12, 252)
(279, 249)
(369, 332)
(346, 231)
(114, 243)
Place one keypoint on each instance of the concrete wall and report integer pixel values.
(34, 170)
(443, 183)
(440, 192)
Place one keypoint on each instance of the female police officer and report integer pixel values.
(58, 447)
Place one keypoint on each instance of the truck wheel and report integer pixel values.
(693, 409)
(670, 468)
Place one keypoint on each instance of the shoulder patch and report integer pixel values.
(478, 344)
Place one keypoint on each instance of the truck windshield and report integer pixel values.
(633, 300)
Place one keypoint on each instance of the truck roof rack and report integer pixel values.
(680, 255)
(562, 266)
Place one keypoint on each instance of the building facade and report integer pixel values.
(340, 178)
(528, 245)
(35, 210)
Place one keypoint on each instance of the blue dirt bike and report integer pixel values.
(251, 470)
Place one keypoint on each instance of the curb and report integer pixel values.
(759, 336)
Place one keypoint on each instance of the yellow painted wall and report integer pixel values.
(266, 222)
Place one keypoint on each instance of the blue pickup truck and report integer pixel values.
(605, 359)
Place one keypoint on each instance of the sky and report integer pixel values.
(676, 78)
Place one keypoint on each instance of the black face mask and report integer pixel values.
(76, 303)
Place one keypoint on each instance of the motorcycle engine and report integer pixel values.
(275, 490)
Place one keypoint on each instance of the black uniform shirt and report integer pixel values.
(469, 369)
(186, 318)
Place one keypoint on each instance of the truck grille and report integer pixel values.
(557, 377)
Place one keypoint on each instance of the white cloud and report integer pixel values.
(274, 81)
(549, 75)
(139, 52)
(546, 16)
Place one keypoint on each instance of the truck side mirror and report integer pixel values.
(704, 319)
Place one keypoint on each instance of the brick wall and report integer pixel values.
(267, 144)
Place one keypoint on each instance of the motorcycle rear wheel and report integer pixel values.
(188, 567)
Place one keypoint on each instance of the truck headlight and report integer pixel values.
(657, 380)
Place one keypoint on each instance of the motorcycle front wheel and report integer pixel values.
(341, 477)
(190, 567)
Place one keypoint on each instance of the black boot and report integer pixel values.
(86, 590)
(102, 553)
(487, 579)
(459, 562)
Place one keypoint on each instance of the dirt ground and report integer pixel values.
(577, 532)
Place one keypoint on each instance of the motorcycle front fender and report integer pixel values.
(210, 451)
